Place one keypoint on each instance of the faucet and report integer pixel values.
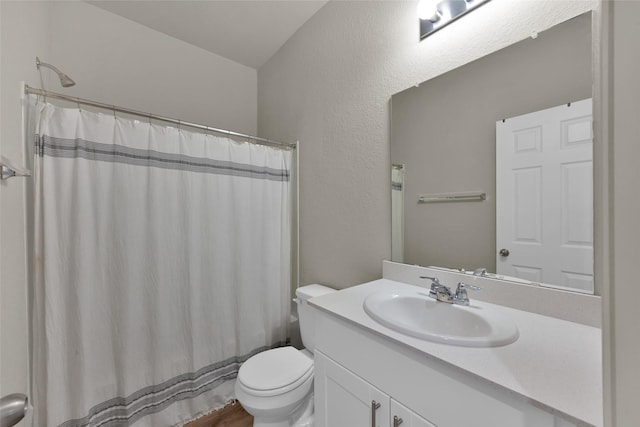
(461, 297)
(480, 272)
(439, 291)
(442, 293)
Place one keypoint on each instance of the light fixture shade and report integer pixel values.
(428, 10)
(452, 8)
(435, 17)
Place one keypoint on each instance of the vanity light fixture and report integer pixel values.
(437, 14)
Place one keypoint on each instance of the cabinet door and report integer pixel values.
(343, 399)
(406, 417)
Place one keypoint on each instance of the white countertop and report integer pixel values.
(555, 364)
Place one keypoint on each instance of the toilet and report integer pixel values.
(276, 386)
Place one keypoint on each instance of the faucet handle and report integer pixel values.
(463, 286)
(434, 280)
(438, 290)
(461, 297)
(480, 272)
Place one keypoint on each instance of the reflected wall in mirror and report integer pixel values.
(443, 135)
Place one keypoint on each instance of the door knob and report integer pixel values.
(504, 252)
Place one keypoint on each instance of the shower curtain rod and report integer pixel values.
(263, 141)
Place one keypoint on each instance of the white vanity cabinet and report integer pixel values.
(355, 366)
(345, 400)
(407, 417)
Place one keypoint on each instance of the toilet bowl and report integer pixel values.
(276, 386)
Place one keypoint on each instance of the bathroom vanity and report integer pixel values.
(367, 374)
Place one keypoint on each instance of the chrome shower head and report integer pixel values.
(65, 80)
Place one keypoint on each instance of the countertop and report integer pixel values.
(555, 364)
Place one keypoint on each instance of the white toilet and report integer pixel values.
(276, 386)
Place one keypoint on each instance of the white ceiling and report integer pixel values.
(244, 31)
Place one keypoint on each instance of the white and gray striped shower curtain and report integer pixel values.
(163, 262)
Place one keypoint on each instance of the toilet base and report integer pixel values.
(300, 417)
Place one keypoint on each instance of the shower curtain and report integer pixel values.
(162, 263)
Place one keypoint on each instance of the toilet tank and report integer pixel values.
(306, 313)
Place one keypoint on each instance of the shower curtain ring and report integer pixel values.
(78, 104)
(113, 108)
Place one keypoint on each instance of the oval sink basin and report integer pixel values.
(414, 313)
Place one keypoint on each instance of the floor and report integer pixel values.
(230, 416)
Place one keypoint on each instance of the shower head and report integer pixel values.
(65, 80)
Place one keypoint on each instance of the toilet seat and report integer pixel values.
(275, 372)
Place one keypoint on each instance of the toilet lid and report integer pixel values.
(275, 369)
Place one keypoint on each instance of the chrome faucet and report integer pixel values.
(439, 291)
(480, 272)
(461, 297)
(443, 293)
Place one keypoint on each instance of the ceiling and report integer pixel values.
(245, 31)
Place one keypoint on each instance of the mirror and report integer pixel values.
(443, 145)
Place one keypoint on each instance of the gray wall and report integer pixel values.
(621, 329)
(444, 133)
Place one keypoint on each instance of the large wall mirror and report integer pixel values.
(492, 164)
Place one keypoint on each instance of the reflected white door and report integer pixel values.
(544, 196)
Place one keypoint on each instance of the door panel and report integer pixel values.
(544, 196)
(344, 399)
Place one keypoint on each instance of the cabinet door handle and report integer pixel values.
(374, 407)
(396, 421)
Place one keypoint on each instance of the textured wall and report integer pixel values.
(329, 86)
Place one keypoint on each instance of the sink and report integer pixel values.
(415, 314)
